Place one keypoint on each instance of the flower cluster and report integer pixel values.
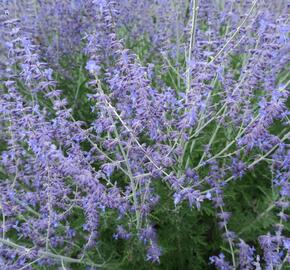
(186, 100)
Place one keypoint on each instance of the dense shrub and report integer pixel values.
(144, 134)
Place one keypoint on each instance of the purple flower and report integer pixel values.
(122, 233)
(153, 253)
(92, 67)
(246, 255)
(220, 262)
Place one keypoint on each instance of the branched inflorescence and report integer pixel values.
(187, 99)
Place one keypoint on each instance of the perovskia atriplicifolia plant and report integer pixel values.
(144, 134)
